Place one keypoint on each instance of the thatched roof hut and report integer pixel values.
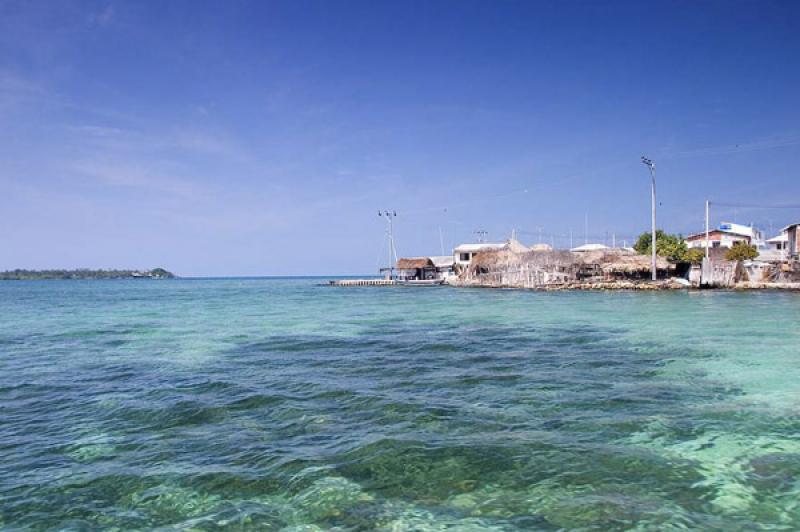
(507, 267)
(611, 261)
(414, 263)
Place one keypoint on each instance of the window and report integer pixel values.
(713, 244)
(464, 257)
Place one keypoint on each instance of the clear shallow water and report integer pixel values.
(283, 405)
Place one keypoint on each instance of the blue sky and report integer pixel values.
(260, 138)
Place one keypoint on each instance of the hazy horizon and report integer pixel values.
(261, 138)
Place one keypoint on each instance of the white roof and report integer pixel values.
(590, 247)
(481, 246)
(789, 227)
(737, 229)
(783, 237)
(442, 261)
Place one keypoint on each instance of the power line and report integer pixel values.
(754, 205)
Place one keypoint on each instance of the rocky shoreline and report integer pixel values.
(583, 285)
(627, 285)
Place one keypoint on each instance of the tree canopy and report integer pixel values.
(31, 275)
(673, 247)
(741, 251)
(694, 255)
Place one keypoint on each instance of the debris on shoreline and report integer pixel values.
(617, 269)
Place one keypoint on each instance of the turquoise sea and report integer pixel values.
(281, 404)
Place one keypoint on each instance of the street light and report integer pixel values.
(652, 166)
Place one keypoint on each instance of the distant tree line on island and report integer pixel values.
(674, 248)
(83, 273)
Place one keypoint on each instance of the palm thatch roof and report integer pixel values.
(622, 261)
(492, 258)
(414, 263)
(609, 261)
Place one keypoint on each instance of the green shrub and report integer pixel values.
(694, 255)
(741, 251)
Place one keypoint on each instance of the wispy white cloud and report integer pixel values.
(146, 140)
(97, 132)
(134, 174)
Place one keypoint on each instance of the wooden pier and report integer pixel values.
(363, 282)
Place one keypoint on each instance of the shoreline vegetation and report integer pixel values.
(84, 274)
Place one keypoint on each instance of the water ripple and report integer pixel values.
(283, 405)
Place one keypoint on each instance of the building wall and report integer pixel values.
(716, 239)
(794, 240)
(459, 260)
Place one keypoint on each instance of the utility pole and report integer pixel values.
(652, 166)
(481, 235)
(390, 216)
(570, 240)
(707, 239)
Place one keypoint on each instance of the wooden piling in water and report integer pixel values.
(363, 282)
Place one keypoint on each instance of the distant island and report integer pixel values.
(33, 275)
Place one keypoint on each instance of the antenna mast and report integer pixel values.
(390, 216)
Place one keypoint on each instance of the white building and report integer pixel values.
(425, 268)
(463, 254)
(444, 266)
(590, 247)
(726, 235)
(793, 239)
(778, 243)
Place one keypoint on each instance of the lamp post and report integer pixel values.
(652, 166)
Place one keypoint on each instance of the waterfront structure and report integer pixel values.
(438, 268)
(547, 269)
(726, 235)
(464, 253)
(445, 266)
(778, 243)
(775, 249)
(415, 268)
(793, 239)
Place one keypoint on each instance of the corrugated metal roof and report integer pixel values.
(442, 261)
(590, 247)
